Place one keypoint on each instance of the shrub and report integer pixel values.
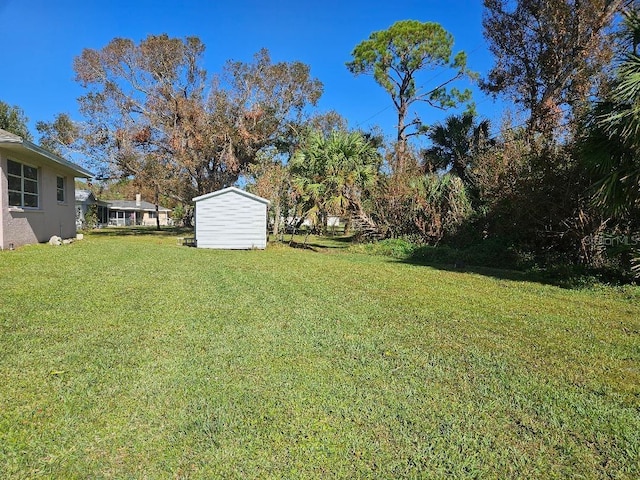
(391, 247)
(90, 218)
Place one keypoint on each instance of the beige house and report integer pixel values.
(124, 213)
(120, 213)
(37, 194)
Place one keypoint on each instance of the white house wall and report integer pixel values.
(231, 221)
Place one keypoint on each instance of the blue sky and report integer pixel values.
(40, 39)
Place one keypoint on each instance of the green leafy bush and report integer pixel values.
(391, 247)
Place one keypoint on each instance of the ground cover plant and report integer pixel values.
(132, 357)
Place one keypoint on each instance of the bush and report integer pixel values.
(90, 218)
(391, 247)
(498, 254)
(488, 253)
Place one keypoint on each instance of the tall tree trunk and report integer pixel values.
(157, 201)
(276, 220)
(401, 146)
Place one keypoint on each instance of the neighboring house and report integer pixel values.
(332, 221)
(231, 219)
(36, 193)
(291, 224)
(120, 213)
(128, 212)
(85, 199)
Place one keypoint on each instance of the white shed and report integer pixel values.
(231, 219)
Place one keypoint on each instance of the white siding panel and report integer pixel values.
(231, 221)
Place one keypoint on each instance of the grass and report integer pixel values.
(131, 357)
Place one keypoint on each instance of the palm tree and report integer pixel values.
(333, 173)
(455, 143)
(612, 144)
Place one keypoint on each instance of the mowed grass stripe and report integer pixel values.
(132, 357)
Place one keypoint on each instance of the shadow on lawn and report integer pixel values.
(150, 231)
(314, 242)
(332, 243)
(497, 267)
(497, 273)
(570, 278)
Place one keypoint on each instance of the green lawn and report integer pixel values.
(131, 357)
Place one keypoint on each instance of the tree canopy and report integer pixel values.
(455, 143)
(549, 54)
(13, 120)
(332, 173)
(612, 144)
(152, 112)
(153, 115)
(252, 106)
(396, 56)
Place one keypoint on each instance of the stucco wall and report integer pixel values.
(231, 221)
(22, 226)
(147, 221)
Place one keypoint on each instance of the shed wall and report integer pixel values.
(231, 221)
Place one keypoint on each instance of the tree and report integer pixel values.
(332, 174)
(396, 56)
(90, 218)
(611, 146)
(142, 111)
(255, 106)
(150, 112)
(551, 58)
(270, 179)
(614, 145)
(13, 120)
(455, 144)
(418, 206)
(326, 123)
(549, 54)
(59, 134)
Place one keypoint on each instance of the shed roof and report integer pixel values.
(88, 196)
(83, 195)
(227, 190)
(16, 143)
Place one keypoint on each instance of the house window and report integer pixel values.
(60, 189)
(152, 215)
(23, 185)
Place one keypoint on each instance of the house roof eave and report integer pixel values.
(134, 209)
(14, 142)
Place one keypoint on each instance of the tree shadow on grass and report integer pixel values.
(562, 278)
(149, 231)
(495, 261)
(332, 243)
(497, 273)
(316, 243)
